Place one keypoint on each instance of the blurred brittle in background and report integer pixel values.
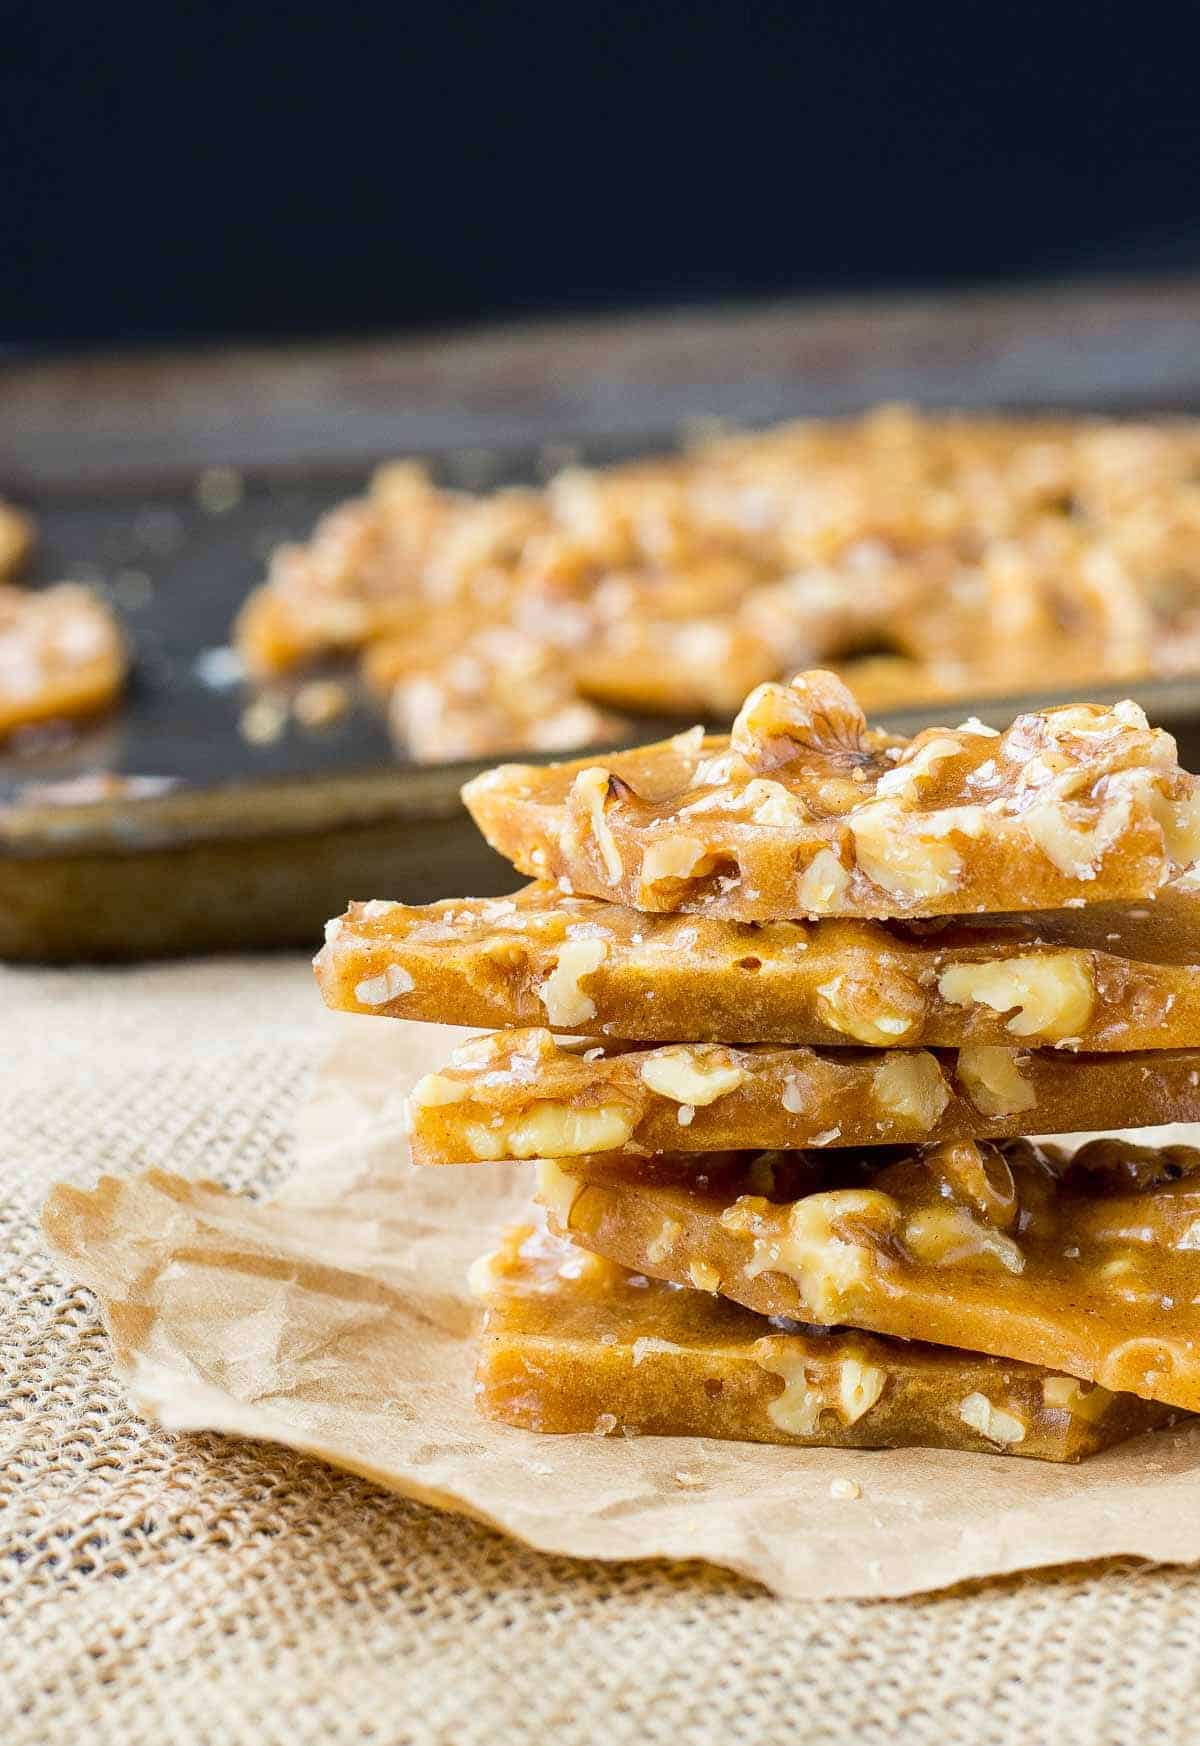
(16, 539)
(62, 656)
(923, 557)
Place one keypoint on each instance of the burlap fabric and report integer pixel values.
(201, 1590)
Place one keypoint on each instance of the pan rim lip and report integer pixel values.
(255, 808)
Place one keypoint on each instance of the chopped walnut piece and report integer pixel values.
(566, 1004)
(823, 885)
(859, 1387)
(1050, 994)
(435, 1089)
(908, 867)
(945, 1236)
(557, 1191)
(845, 1489)
(816, 711)
(389, 985)
(991, 1421)
(994, 1081)
(910, 1090)
(1083, 1400)
(859, 1007)
(674, 858)
(824, 1250)
(696, 1075)
(590, 793)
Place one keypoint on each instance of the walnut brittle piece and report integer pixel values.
(573, 1343)
(805, 811)
(524, 1094)
(1086, 1266)
(1100, 978)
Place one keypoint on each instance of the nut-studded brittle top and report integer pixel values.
(523, 1094)
(1088, 1267)
(61, 656)
(1106, 977)
(571, 1342)
(805, 811)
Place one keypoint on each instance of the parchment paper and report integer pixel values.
(335, 1319)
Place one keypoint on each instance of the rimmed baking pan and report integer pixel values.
(166, 481)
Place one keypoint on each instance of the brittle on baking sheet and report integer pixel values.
(805, 811)
(525, 1094)
(952, 630)
(1108, 977)
(573, 1343)
(16, 539)
(62, 656)
(497, 690)
(376, 566)
(1085, 1265)
(923, 557)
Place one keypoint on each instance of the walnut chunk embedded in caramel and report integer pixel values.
(1083, 803)
(910, 1091)
(815, 713)
(1049, 995)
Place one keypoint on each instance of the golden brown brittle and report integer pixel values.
(523, 1094)
(805, 811)
(1108, 977)
(573, 1343)
(1086, 1266)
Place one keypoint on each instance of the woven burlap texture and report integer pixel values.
(202, 1590)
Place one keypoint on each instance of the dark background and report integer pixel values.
(191, 170)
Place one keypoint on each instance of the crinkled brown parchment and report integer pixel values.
(335, 1319)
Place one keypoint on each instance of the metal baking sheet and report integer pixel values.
(253, 844)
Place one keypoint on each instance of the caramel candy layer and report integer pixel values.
(1085, 1266)
(1109, 977)
(805, 811)
(571, 1342)
(523, 1094)
(61, 656)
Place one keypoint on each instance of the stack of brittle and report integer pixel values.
(776, 1020)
